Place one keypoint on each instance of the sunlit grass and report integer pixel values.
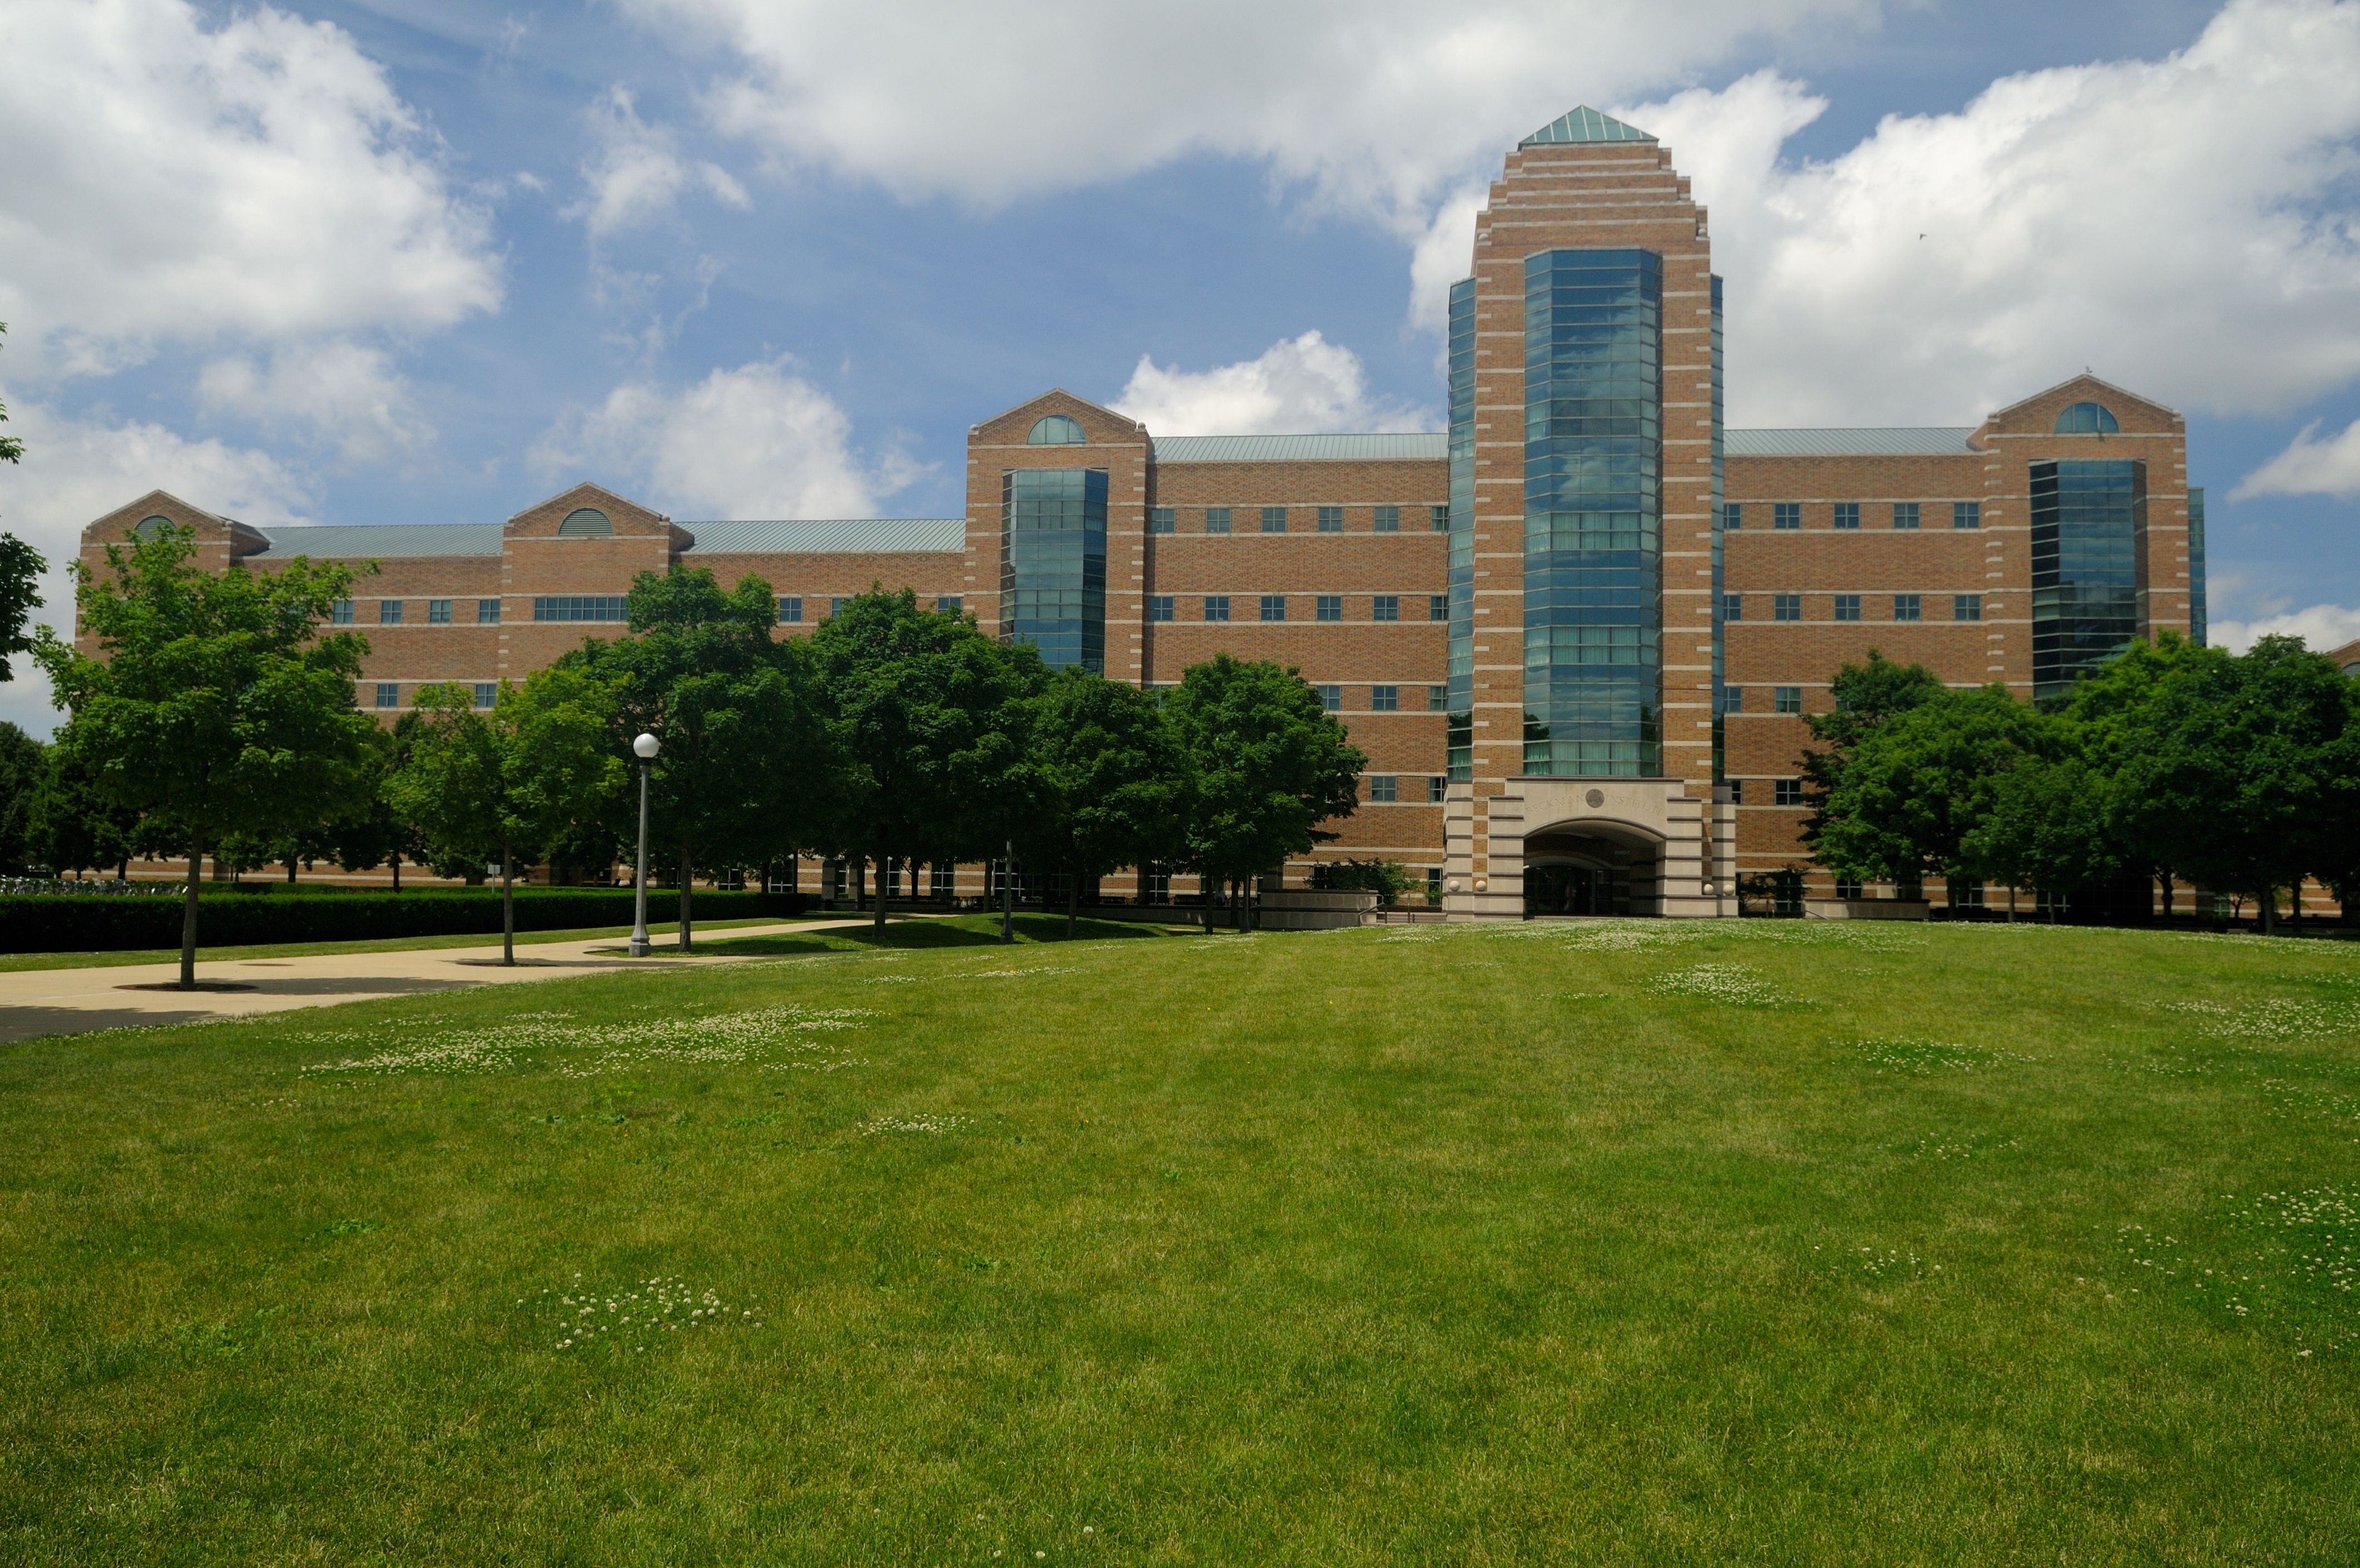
(1676, 1242)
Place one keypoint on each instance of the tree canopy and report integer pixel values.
(1108, 782)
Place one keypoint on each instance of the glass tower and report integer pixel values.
(1053, 582)
(2086, 522)
(2196, 616)
(1461, 757)
(1593, 530)
(1719, 445)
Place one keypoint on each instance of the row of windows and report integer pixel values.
(1905, 606)
(1324, 607)
(1326, 520)
(1783, 699)
(1385, 699)
(391, 612)
(790, 607)
(1388, 787)
(389, 693)
(1905, 515)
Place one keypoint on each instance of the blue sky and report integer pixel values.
(430, 261)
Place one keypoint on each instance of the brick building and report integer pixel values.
(1575, 633)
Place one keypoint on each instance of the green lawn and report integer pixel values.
(1773, 1242)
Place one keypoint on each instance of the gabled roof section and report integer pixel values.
(589, 494)
(1583, 124)
(1416, 446)
(2086, 382)
(886, 535)
(1122, 419)
(1905, 441)
(333, 542)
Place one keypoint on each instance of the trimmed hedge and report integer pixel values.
(92, 925)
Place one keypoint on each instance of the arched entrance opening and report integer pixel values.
(1592, 867)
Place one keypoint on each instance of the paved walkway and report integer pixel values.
(76, 1001)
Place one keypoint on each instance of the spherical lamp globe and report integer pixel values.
(645, 746)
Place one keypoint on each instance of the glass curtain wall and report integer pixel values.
(1461, 757)
(2086, 522)
(1720, 750)
(1593, 529)
(2196, 616)
(1052, 574)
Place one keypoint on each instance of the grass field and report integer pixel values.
(1771, 1242)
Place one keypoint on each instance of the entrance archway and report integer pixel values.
(1592, 868)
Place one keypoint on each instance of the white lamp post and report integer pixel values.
(644, 748)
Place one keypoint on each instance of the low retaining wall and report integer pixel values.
(1865, 909)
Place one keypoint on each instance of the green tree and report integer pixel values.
(375, 834)
(1269, 765)
(932, 718)
(2044, 826)
(214, 704)
(20, 570)
(746, 774)
(502, 786)
(24, 770)
(1915, 783)
(1864, 696)
(2237, 771)
(1107, 781)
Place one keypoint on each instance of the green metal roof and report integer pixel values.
(1413, 447)
(1584, 124)
(1908, 441)
(879, 535)
(351, 541)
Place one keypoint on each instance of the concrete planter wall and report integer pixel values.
(1865, 909)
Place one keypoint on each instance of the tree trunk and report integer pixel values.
(397, 872)
(884, 891)
(507, 903)
(2166, 879)
(685, 887)
(290, 869)
(2268, 901)
(123, 869)
(188, 910)
(1073, 900)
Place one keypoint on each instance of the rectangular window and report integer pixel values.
(1217, 520)
(1163, 520)
(1388, 519)
(1786, 606)
(389, 612)
(579, 606)
(487, 693)
(836, 605)
(1273, 607)
(947, 603)
(1966, 606)
(1787, 699)
(1159, 607)
(1967, 514)
(388, 693)
(1845, 888)
(1907, 606)
(438, 612)
(1436, 784)
(1434, 884)
(1847, 607)
(942, 877)
(1786, 514)
(1438, 699)
(1384, 787)
(1437, 607)
(1216, 607)
(341, 613)
(1966, 894)
(1326, 606)
(1732, 607)
(1905, 514)
(1847, 514)
(1331, 698)
(1384, 699)
(790, 611)
(1384, 607)
(487, 612)
(1732, 699)
(1441, 519)
(1737, 792)
(1274, 520)
(1331, 519)
(1732, 515)
(1790, 792)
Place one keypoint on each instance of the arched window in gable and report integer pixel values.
(2088, 419)
(1056, 429)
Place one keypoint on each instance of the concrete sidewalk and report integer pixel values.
(77, 1001)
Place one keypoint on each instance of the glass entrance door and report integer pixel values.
(1576, 889)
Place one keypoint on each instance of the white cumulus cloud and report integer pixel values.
(347, 394)
(755, 442)
(1297, 385)
(2309, 466)
(76, 471)
(637, 175)
(2188, 227)
(2323, 628)
(169, 178)
(1382, 103)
